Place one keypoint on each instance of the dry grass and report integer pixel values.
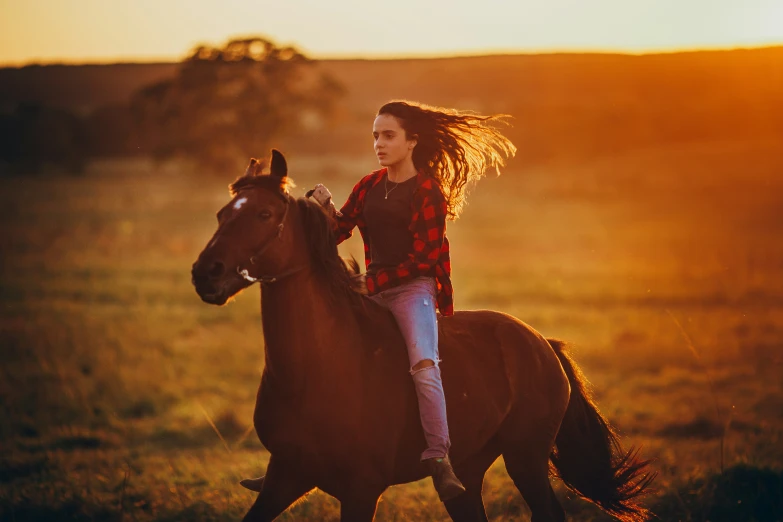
(116, 379)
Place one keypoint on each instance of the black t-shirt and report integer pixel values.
(388, 210)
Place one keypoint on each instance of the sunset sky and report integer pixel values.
(76, 31)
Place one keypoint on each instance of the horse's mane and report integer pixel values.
(374, 321)
(332, 269)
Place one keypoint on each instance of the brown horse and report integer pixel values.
(337, 409)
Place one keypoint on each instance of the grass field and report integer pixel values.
(124, 397)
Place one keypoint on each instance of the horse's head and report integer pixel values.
(252, 241)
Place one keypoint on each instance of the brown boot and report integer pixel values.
(254, 484)
(445, 481)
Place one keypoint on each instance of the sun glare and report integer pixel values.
(92, 30)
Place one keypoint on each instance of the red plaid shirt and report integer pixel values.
(430, 255)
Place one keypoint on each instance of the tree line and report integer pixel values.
(223, 105)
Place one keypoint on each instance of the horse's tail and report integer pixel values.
(588, 456)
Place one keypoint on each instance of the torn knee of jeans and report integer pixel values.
(424, 364)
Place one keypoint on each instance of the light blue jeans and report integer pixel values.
(413, 306)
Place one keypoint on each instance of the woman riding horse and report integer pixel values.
(429, 158)
(335, 409)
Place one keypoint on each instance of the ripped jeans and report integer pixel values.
(413, 306)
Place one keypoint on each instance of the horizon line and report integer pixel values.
(142, 60)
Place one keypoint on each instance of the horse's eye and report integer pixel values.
(264, 214)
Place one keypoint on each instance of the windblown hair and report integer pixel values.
(454, 147)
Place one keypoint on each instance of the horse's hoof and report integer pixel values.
(254, 484)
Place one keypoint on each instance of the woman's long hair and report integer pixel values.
(454, 147)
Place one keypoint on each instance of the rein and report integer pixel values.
(266, 279)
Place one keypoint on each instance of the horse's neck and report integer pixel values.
(301, 327)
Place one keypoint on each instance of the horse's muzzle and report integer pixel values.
(215, 298)
(205, 283)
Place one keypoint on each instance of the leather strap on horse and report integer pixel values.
(265, 279)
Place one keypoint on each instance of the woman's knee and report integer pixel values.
(427, 378)
(422, 365)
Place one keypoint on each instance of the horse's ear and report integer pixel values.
(279, 167)
(254, 167)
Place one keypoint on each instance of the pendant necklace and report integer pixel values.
(386, 187)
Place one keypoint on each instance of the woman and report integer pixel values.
(429, 158)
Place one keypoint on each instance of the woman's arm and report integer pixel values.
(347, 217)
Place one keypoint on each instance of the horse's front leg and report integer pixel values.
(359, 508)
(358, 502)
(282, 486)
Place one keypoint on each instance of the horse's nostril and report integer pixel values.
(217, 269)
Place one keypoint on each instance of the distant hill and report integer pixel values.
(563, 104)
(80, 88)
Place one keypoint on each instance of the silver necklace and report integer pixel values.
(386, 187)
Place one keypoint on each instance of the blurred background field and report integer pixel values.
(641, 222)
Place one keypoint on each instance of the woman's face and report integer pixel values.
(391, 145)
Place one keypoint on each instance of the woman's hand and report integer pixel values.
(322, 195)
(324, 198)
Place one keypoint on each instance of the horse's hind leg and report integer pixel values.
(530, 472)
(469, 507)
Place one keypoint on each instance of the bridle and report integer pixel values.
(267, 279)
